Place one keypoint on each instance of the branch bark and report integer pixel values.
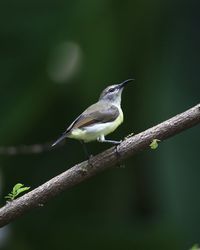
(107, 159)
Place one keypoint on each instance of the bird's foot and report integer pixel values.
(119, 155)
(116, 148)
(83, 170)
(90, 160)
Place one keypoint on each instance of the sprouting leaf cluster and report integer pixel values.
(154, 143)
(17, 189)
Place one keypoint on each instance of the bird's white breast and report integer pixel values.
(92, 132)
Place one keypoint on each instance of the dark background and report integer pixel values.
(55, 59)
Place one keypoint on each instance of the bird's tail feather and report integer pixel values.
(59, 140)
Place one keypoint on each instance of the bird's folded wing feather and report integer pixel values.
(96, 113)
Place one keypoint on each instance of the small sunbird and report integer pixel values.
(99, 119)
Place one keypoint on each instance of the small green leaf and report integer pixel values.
(9, 196)
(16, 187)
(154, 143)
(195, 247)
(23, 189)
(128, 136)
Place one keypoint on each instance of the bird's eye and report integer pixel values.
(111, 89)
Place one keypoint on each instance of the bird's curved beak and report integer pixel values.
(124, 83)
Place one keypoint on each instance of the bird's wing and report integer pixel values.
(96, 113)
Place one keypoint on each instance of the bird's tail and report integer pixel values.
(59, 140)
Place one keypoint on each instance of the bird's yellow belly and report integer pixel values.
(91, 133)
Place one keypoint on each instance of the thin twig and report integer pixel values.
(27, 149)
(98, 163)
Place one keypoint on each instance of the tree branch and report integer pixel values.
(98, 163)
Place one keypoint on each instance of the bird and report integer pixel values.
(99, 119)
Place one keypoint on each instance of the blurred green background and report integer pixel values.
(55, 59)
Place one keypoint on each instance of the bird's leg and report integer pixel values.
(87, 155)
(102, 139)
(116, 143)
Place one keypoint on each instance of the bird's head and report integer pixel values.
(113, 93)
